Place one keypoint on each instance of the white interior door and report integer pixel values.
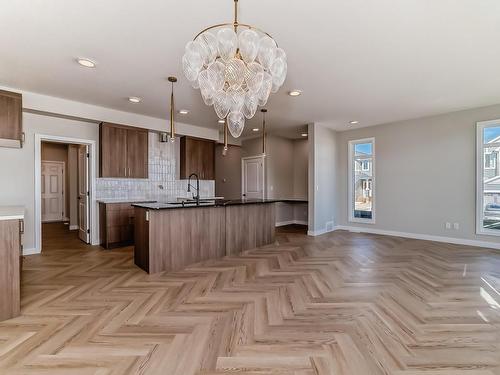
(253, 177)
(52, 185)
(83, 194)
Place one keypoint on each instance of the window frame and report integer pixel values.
(480, 168)
(351, 172)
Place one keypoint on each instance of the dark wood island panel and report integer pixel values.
(249, 226)
(169, 240)
(10, 282)
(173, 238)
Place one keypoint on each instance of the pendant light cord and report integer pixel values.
(172, 129)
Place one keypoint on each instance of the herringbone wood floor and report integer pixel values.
(337, 304)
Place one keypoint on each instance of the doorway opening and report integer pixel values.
(63, 190)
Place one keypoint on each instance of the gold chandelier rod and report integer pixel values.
(235, 24)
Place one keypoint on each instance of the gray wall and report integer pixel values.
(322, 177)
(228, 172)
(425, 174)
(17, 166)
(286, 165)
(300, 168)
(279, 169)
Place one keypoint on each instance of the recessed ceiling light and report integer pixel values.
(86, 62)
(134, 99)
(255, 129)
(295, 92)
(183, 111)
(354, 122)
(304, 134)
(221, 121)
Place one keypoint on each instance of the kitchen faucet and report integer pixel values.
(197, 197)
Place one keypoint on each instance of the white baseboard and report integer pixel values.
(31, 251)
(417, 236)
(290, 222)
(319, 232)
(73, 227)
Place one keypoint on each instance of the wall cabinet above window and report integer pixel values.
(11, 119)
(123, 151)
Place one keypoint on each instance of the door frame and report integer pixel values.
(93, 224)
(63, 164)
(263, 158)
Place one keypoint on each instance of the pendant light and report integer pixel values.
(264, 111)
(172, 80)
(224, 151)
(236, 66)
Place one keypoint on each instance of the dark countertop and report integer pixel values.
(293, 200)
(212, 203)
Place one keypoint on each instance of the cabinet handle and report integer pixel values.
(125, 171)
(21, 226)
(129, 172)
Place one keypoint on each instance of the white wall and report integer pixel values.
(322, 178)
(425, 175)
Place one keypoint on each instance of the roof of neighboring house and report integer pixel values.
(492, 185)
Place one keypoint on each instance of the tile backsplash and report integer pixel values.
(163, 183)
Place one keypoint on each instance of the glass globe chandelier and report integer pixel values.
(235, 68)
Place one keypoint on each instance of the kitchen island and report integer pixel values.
(11, 230)
(170, 236)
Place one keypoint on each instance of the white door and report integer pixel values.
(253, 177)
(52, 191)
(83, 194)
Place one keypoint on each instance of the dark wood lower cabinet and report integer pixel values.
(10, 270)
(116, 221)
(171, 239)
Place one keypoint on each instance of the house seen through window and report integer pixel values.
(361, 182)
(488, 184)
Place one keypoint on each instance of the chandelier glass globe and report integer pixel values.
(236, 67)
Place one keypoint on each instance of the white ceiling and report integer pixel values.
(374, 61)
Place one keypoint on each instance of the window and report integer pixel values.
(490, 160)
(488, 178)
(362, 181)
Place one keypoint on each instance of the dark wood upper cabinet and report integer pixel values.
(11, 119)
(137, 153)
(197, 156)
(123, 151)
(113, 151)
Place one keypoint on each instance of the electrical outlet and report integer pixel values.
(456, 226)
(448, 225)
